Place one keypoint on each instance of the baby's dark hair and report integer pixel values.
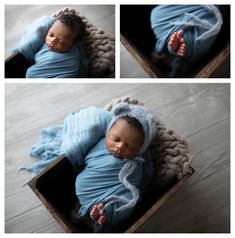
(134, 123)
(74, 23)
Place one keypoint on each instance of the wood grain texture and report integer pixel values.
(139, 58)
(198, 112)
(129, 67)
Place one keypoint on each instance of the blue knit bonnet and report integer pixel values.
(142, 114)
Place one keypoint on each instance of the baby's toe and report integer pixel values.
(182, 50)
(101, 219)
(182, 40)
(94, 212)
(180, 34)
(173, 42)
(100, 206)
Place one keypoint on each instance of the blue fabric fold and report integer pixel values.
(79, 133)
(50, 64)
(82, 131)
(46, 150)
(100, 179)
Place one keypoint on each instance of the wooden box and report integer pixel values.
(55, 187)
(16, 66)
(139, 40)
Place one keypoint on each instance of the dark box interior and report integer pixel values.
(16, 66)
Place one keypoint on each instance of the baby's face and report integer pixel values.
(123, 140)
(60, 38)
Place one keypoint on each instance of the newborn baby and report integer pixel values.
(109, 153)
(123, 141)
(59, 56)
(116, 169)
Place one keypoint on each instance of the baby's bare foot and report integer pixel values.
(175, 40)
(98, 214)
(177, 43)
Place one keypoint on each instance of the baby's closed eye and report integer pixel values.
(115, 138)
(51, 34)
(131, 146)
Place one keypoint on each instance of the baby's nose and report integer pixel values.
(120, 146)
(53, 41)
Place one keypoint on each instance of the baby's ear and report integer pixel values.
(120, 109)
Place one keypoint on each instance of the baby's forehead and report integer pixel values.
(58, 23)
(61, 28)
(121, 123)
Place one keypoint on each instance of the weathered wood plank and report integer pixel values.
(30, 221)
(129, 67)
(139, 57)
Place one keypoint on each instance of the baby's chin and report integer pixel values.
(51, 48)
(116, 155)
(54, 49)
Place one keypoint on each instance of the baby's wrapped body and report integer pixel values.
(200, 25)
(100, 179)
(50, 64)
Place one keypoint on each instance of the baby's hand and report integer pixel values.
(97, 213)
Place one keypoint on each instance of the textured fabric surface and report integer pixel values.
(49, 64)
(47, 149)
(34, 37)
(80, 130)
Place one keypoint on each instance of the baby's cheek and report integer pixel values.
(47, 40)
(107, 144)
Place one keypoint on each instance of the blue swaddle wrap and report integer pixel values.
(82, 139)
(82, 131)
(79, 133)
(201, 25)
(47, 149)
(99, 182)
(34, 37)
(46, 63)
(50, 64)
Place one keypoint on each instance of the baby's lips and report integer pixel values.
(50, 46)
(115, 154)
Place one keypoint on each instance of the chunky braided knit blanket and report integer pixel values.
(99, 47)
(170, 153)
